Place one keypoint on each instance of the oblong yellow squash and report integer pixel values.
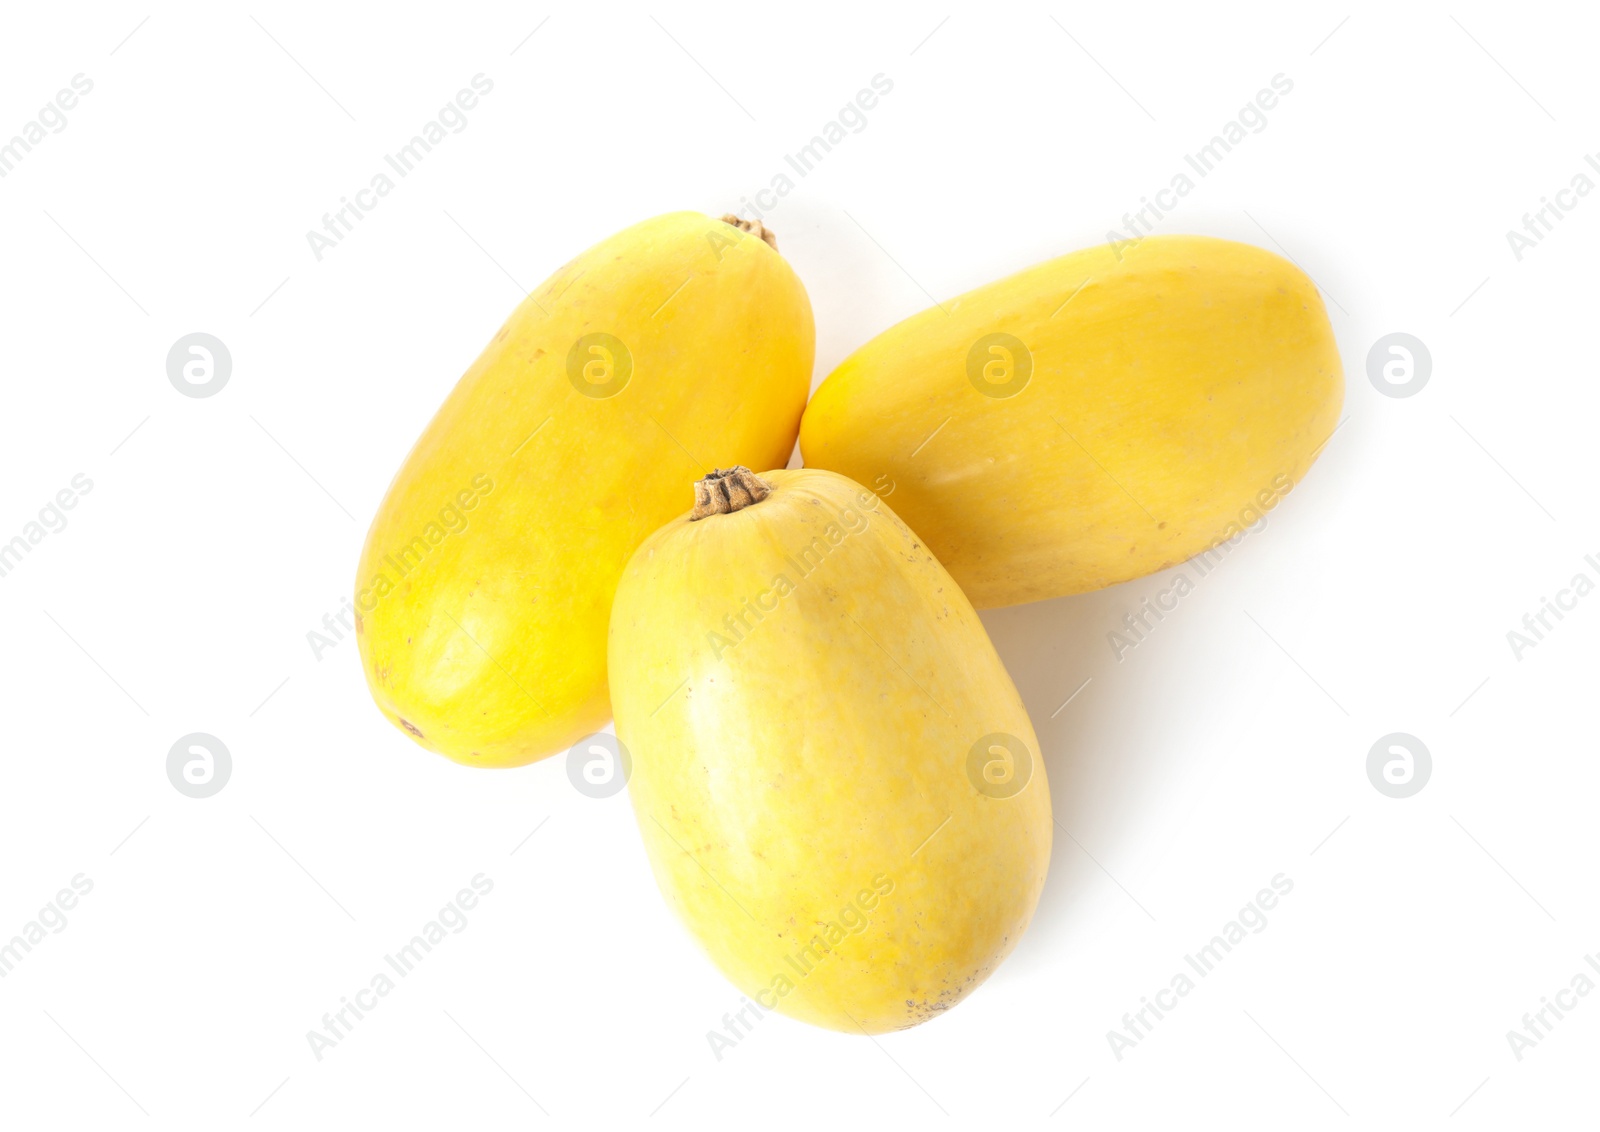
(1092, 419)
(485, 586)
(838, 787)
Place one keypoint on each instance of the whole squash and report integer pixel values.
(838, 786)
(485, 586)
(1093, 419)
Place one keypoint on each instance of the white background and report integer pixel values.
(1228, 747)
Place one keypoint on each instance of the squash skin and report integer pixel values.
(486, 642)
(1178, 388)
(816, 772)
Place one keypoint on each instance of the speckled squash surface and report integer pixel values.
(485, 586)
(838, 786)
(1092, 419)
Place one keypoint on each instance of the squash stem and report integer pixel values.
(724, 492)
(754, 227)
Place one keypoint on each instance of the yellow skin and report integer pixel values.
(1179, 387)
(490, 646)
(816, 772)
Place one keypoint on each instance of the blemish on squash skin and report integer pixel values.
(413, 728)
